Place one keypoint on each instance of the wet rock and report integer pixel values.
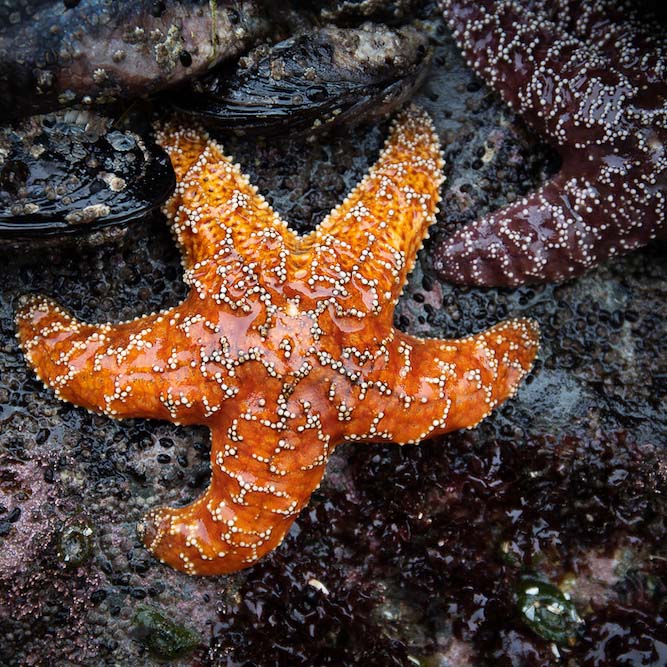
(634, 635)
(55, 53)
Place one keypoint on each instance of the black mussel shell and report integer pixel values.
(71, 172)
(313, 81)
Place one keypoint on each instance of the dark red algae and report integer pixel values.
(444, 544)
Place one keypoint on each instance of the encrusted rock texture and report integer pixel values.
(406, 555)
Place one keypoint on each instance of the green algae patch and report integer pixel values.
(75, 544)
(164, 638)
(547, 611)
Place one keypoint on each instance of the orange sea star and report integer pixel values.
(284, 346)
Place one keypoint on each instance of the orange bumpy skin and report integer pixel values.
(284, 346)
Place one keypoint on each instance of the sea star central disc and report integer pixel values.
(284, 346)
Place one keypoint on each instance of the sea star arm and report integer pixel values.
(260, 480)
(551, 78)
(366, 246)
(579, 218)
(611, 193)
(616, 29)
(122, 370)
(430, 387)
(214, 205)
(183, 145)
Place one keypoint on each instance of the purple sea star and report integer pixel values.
(593, 78)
